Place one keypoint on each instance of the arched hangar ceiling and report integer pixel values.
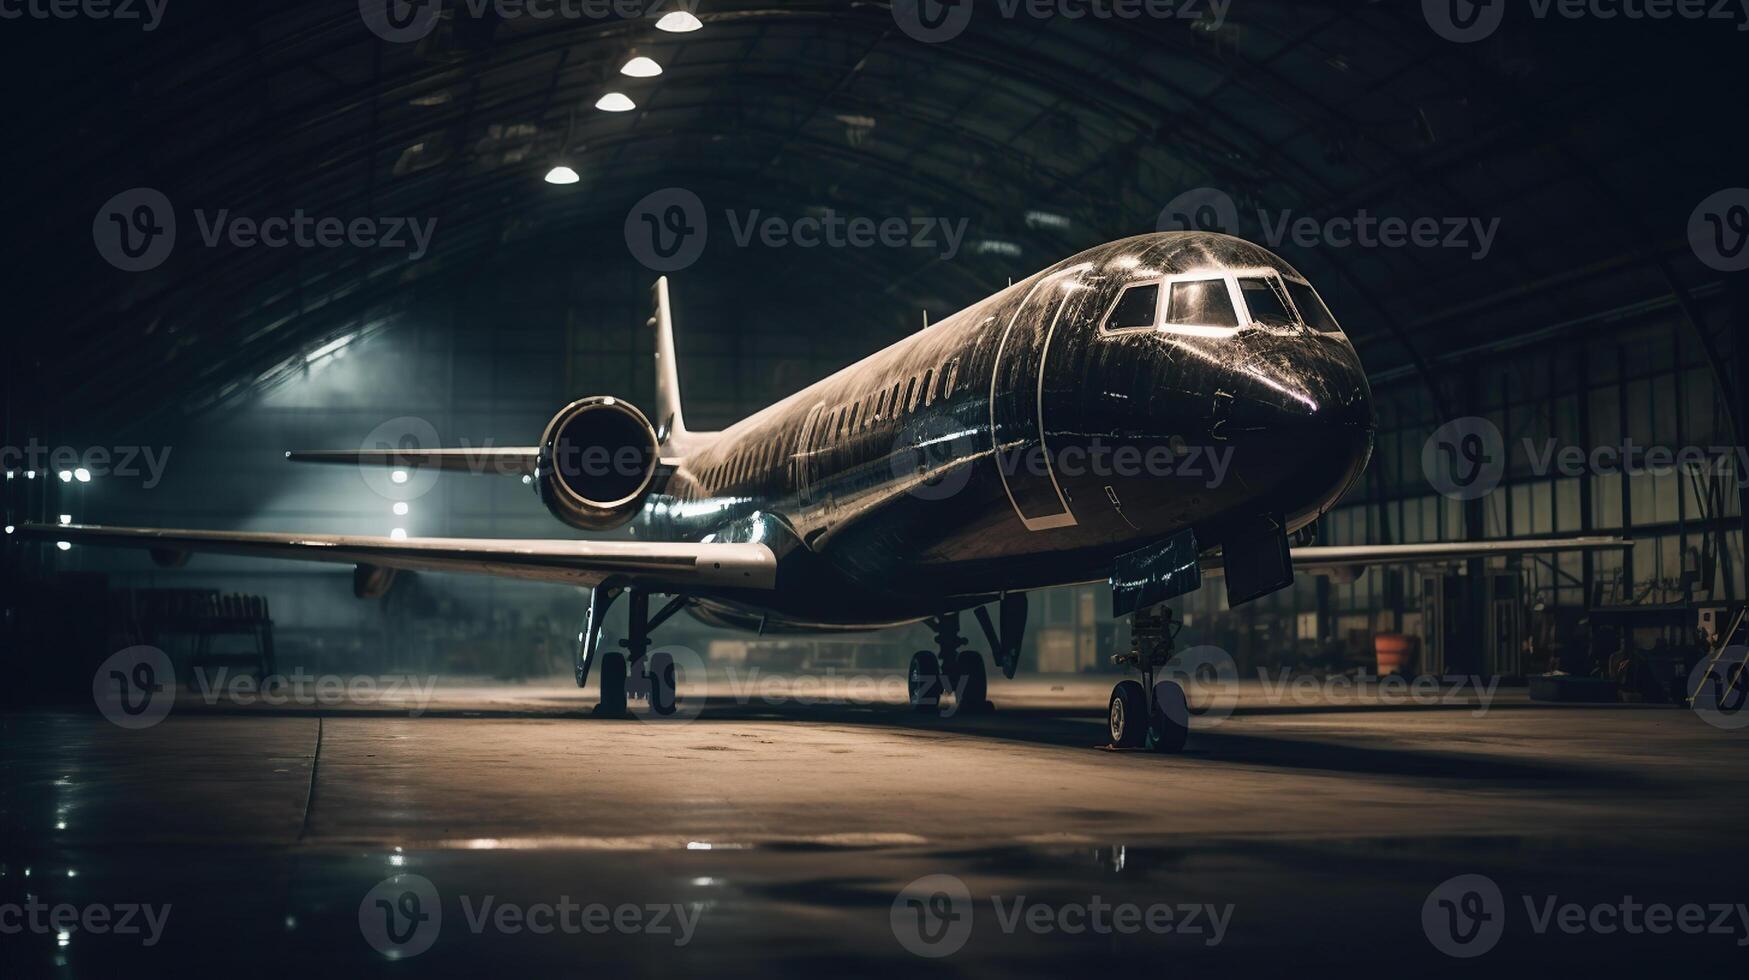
(1591, 141)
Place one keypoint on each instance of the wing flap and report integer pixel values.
(584, 563)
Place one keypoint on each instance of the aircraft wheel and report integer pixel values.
(971, 684)
(1127, 715)
(613, 685)
(1169, 722)
(924, 680)
(663, 695)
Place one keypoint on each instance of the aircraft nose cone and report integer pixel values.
(1299, 428)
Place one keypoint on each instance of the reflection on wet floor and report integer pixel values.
(500, 829)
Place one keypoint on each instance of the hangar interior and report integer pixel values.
(1588, 320)
(1578, 308)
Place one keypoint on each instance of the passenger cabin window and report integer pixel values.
(950, 376)
(893, 400)
(1136, 308)
(1313, 312)
(1201, 303)
(928, 395)
(1266, 302)
(911, 395)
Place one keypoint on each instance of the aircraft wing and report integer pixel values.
(1356, 558)
(657, 567)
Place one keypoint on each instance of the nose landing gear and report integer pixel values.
(1146, 714)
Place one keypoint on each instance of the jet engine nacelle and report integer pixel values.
(597, 460)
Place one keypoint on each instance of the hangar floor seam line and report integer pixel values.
(310, 793)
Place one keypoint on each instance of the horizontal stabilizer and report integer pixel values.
(490, 460)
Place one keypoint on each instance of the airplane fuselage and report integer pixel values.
(1031, 438)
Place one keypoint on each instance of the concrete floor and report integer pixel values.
(786, 832)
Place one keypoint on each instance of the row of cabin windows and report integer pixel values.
(903, 398)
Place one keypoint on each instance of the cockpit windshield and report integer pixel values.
(1312, 309)
(1200, 303)
(1266, 301)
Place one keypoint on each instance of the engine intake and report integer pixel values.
(597, 460)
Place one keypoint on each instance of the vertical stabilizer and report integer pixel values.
(670, 420)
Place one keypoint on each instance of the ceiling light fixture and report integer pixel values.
(615, 102)
(679, 22)
(562, 174)
(641, 67)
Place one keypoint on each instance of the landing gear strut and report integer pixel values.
(948, 668)
(623, 673)
(1148, 714)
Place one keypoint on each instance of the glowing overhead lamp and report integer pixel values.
(679, 22)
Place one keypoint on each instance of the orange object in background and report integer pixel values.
(1395, 653)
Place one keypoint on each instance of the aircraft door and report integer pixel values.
(807, 460)
(1017, 424)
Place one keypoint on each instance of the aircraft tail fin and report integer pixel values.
(670, 419)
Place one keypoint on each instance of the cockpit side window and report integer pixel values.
(1200, 303)
(1266, 301)
(1137, 308)
(1312, 309)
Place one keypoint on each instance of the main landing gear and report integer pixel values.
(626, 673)
(1146, 714)
(964, 672)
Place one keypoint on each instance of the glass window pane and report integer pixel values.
(1135, 309)
(1202, 303)
(1266, 302)
(1312, 309)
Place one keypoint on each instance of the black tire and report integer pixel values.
(612, 671)
(1127, 715)
(1169, 722)
(970, 683)
(923, 681)
(663, 696)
